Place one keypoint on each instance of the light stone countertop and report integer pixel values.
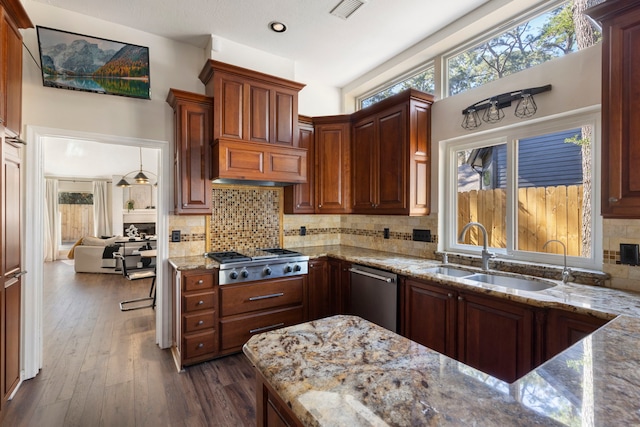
(346, 371)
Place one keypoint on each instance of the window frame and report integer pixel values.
(447, 202)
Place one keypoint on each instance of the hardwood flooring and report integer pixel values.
(102, 367)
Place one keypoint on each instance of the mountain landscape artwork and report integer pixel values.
(91, 64)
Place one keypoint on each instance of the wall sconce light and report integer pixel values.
(493, 107)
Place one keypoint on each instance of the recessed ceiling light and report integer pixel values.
(278, 27)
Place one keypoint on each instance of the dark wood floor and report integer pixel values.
(102, 366)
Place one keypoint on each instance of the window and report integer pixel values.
(526, 187)
(423, 81)
(542, 38)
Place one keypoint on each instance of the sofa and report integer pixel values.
(88, 255)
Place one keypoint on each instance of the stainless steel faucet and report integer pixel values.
(486, 255)
(566, 271)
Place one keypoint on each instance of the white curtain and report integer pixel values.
(51, 220)
(102, 224)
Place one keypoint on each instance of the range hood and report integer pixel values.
(255, 163)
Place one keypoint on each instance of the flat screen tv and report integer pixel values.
(91, 64)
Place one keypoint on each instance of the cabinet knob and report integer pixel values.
(201, 322)
(200, 302)
(200, 345)
(450, 295)
(460, 299)
(184, 205)
(613, 200)
(200, 282)
(319, 206)
(298, 205)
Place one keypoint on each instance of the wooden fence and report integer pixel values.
(544, 213)
(75, 221)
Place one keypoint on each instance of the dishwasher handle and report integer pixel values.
(373, 276)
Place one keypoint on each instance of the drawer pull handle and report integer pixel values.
(201, 322)
(266, 328)
(200, 282)
(200, 345)
(279, 294)
(200, 302)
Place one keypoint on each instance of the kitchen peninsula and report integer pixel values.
(344, 370)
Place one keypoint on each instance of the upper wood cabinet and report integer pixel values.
(390, 156)
(192, 154)
(300, 198)
(13, 17)
(333, 164)
(620, 103)
(252, 106)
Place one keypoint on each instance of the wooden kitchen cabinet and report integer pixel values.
(271, 410)
(249, 308)
(339, 285)
(565, 328)
(300, 198)
(430, 315)
(319, 289)
(196, 314)
(390, 156)
(192, 154)
(251, 106)
(13, 17)
(620, 103)
(495, 336)
(333, 164)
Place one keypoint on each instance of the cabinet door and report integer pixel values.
(11, 86)
(419, 158)
(392, 162)
(257, 114)
(430, 316)
(284, 117)
(11, 336)
(495, 336)
(229, 98)
(300, 198)
(620, 103)
(565, 328)
(365, 155)
(340, 285)
(319, 294)
(192, 152)
(333, 168)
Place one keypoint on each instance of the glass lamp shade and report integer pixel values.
(123, 183)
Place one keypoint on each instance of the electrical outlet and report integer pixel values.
(385, 233)
(303, 230)
(175, 236)
(421, 235)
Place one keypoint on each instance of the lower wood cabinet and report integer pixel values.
(565, 328)
(319, 300)
(490, 334)
(495, 336)
(196, 316)
(339, 285)
(250, 308)
(271, 411)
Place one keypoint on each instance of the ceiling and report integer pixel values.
(326, 49)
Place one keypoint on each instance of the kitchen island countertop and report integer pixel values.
(344, 370)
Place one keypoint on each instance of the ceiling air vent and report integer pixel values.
(345, 8)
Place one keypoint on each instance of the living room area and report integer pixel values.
(100, 201)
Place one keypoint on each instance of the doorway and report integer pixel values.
(33, 246)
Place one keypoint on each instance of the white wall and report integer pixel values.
(172, 64)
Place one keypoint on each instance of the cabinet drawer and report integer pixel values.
(198, 321)
(199, 344)
(237, 331)
(198, 282)
(199, 301)
(244, 298)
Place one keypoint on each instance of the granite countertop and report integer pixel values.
(344, 370)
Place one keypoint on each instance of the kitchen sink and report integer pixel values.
(511, 282)
(449, 271)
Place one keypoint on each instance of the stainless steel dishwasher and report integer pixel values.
(374, 296)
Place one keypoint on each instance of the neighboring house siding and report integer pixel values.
(545, 161)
